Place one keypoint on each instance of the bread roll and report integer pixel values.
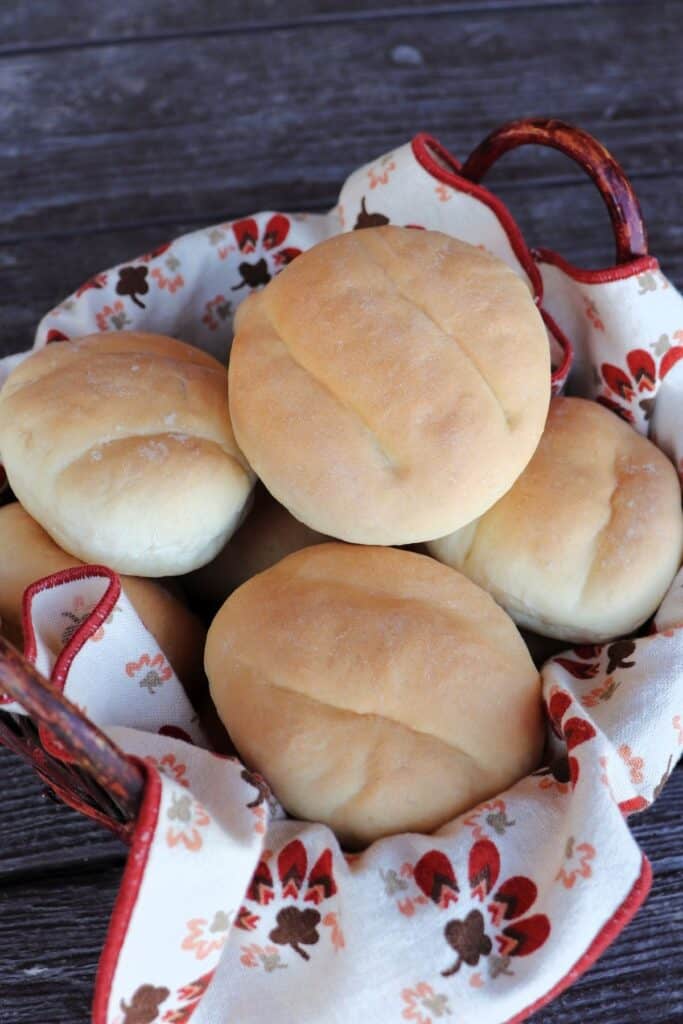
(586, 543)
(28, 554)
(390, 384)
(376, 690)
(268, 534)
(120, 445)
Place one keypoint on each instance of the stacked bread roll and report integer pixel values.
(389, 387)
(585, 544)
(120, 445)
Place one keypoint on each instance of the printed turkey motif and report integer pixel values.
(133, 283)
(434, 875)
(274, 255)
(365, 219)
(188, 998)
(574, 731)
(289, 878)
(501, 925)
(144, 1005)
(637, 383)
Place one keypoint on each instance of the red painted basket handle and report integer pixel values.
(613, 185)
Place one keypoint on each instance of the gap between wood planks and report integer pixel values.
(218, 216)
(312, 20)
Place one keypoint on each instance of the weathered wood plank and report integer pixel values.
(38, 834)
(51, 932)
(45, 24)
(94, 137)
(37, 274)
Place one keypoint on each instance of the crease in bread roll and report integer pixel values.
(375, 240)
(375, 689)
(28, 554)
(585, 544)
(121, 446)
(389, 381)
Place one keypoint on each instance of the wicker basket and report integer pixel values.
(93, 774)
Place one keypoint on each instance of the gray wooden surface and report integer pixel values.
(122, 125)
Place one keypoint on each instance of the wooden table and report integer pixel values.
(122, 128)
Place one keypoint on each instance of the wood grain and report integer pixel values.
(96, 137)
(38, 833)
(51, 933)
(44, 24)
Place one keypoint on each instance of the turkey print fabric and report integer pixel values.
(230, 911)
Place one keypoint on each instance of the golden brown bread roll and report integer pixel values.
(120, 445)
(390, 384)
(585, 544)
(375, 689)
(267, 535)
(28, 554)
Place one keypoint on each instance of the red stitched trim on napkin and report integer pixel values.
(618, 273)
(80, 635)
(602, 940)
(85, 630)
(128, 893)
(561, 372)
(429, 152)
(426, 150)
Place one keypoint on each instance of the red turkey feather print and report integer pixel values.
(296, 925)
(558, 705)
(473, 933)
(524, 937)
(513, 898)
(434, 875)
(54, 335)
(246, 234)
(269, 248)
(618, 381)
(643, 369)
(261, 888)
(275, 231)
(670, 359)
(639, 385)
(484, 867)
(321, 883)
(292, 864)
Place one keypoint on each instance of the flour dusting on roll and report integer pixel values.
(120, 445)
(390, 384)
(376, 690)
(586, 543)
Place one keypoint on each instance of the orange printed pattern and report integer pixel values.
(206, 937)
(578, 857)
(421, 1002)
(634, 764)
(188, 816)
